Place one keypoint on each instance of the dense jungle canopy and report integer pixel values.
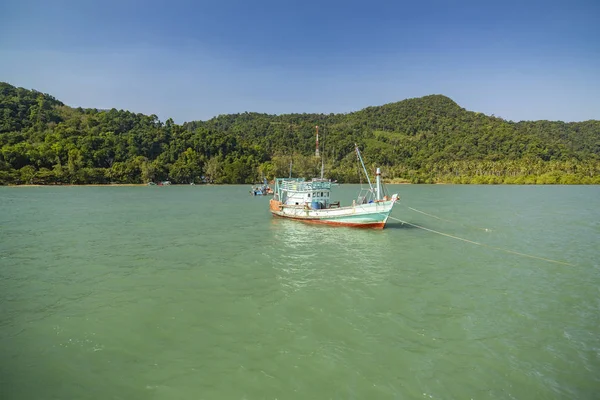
(422, 140)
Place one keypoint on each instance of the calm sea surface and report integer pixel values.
(196, 292)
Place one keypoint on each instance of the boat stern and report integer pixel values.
(275, 206)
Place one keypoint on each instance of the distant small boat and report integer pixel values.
(310, 201)
(262, 190)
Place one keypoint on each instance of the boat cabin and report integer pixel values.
(315, 194)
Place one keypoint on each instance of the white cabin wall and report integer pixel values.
(303, 198)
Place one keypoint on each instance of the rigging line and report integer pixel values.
(447, 220)
(483, 244)
(358, 169)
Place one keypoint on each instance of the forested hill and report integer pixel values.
(423, 140)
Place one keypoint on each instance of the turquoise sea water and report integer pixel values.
(196, 292)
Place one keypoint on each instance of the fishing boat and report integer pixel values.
(311, 201)
(263, 190)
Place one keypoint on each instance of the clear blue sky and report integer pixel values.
(189, 60)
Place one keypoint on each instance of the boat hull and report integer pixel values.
(372, 215)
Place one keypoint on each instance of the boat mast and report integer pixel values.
(317, 147)
(322, 157)
(363, 165)
(378, 174)
(291, 149)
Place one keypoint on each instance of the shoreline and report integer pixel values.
(175, 184)
(248, 184)
(83, 185)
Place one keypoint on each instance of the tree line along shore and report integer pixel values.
(429, 139)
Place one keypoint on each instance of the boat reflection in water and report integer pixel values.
(321, 256)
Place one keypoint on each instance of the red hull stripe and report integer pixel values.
(374, 225)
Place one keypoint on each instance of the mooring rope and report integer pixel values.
(447, 220)
(483, 244)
